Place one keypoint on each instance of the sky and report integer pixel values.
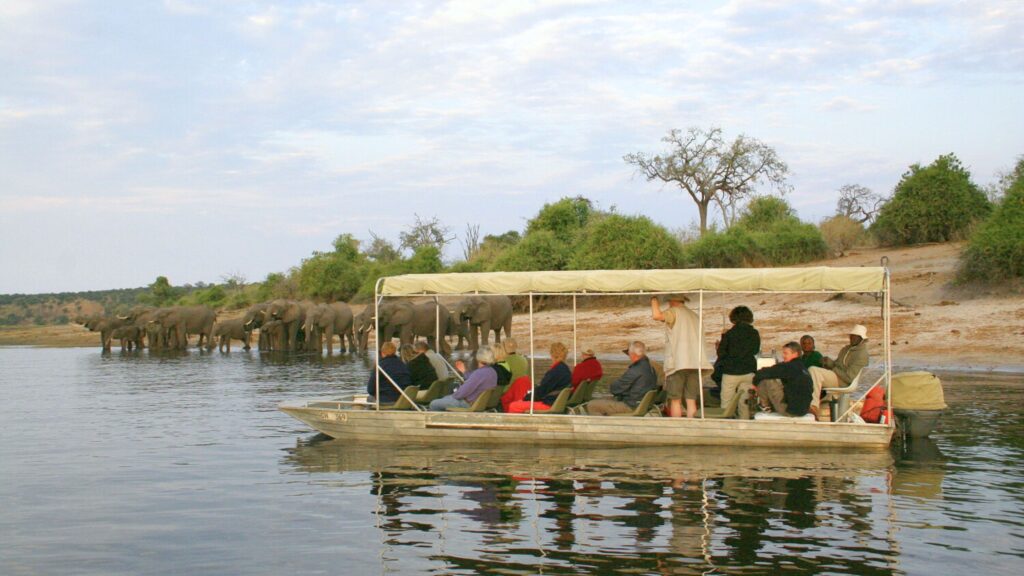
(200, 139)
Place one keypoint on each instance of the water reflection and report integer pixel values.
(562, 510)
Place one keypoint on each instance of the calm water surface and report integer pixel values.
(138, 464)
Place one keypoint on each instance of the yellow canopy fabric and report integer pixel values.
(816, 279)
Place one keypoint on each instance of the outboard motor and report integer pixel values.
(917, 402)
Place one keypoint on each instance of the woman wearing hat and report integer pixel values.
(684, 354)
(589, 368)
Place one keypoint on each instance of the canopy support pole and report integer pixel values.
(700, 359)
(575, 356)
(376, 343)
(888, 349)
(437, 326)
(533, 379)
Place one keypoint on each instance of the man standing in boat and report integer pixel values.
(683, 354)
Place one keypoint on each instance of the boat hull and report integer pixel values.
(565, 429)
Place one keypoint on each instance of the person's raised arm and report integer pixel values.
(656, 310)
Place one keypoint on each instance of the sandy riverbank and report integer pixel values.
(934, 325)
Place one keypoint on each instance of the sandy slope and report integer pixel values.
(934, 325)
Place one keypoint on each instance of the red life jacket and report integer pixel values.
(874, 405)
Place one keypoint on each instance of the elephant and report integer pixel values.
(105, 326)
(139, 316)
(254, 318)
(292, 315)
(328, 320)
(484, 314)
(408, 320)
(363, 324)
(227, 330)
(185, 320)
(128, 336)
(274, 332)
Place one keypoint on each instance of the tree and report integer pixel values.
(381, 250)
(616, 242)
(858, 203)
(161, 293)
(470, 241)
(426, 233)
(764, 212)
(564, 218)
(841, 233)
(996, 250)
(1007, 178)
(934, 203)
(706, 167)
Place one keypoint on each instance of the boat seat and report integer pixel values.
(839, 398)
(645, 404)
(480, 404)
(727, 411)
(776, 416)
(579, 395)
(588, 395)
(403, 403)
(496, 395)
(560, 403)
(437, 389)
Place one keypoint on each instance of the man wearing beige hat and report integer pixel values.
(684, 354)
(850, 361)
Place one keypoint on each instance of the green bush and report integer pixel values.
(564, 218)
(734, 248)
(765, 212)
(616, 242)
(996, 250)
(935, 203)
(538, 250)
(790, 243)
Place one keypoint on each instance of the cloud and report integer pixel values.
(847, 104)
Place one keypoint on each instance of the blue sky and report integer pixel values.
(198, 139)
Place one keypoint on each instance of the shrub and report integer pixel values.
(790, 243)
(538, 250)
(935, 203)
(996, 250)
(764, 212)
(841, 233)
(624, 242)
(732, 249)
(564, 218)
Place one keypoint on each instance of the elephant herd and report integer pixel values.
(291, 325)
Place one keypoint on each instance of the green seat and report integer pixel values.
(645, 403)
(579, 395)
(403, 402)
(727, 411)
(437, 389)
(480, 404)
(561, 402)
(589, 395)
(496, 397)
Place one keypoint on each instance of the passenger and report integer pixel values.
(811, 357)
(589, 368)
(683, 353)
(477, 382)
(630, 388)
(737, 356)
(850, 361)
(420, 368)
(555, 380)
(786, 387)
(517, 363)
(501, 366)
(440, 366)
(392, 366)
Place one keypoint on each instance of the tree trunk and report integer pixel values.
(703, 210)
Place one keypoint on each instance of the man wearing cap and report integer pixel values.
(683, 354)
(587, 369)
(630, 388)
(850, 361)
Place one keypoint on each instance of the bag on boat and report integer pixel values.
(874, 405)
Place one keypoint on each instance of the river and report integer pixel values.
(140, 464)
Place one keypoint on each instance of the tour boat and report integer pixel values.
(357, 420)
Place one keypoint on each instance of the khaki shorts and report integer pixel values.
(683, 384)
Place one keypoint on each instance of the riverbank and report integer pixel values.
(935, 325)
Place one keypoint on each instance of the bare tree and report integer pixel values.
(858, 203)
(470, 241)
(706, 167)
(381, 250)
(730, 206)
(426, 233)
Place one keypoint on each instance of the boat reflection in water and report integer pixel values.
(529, 509)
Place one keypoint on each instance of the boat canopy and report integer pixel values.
(814, 279)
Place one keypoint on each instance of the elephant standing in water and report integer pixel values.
(254, 318)
(104, 325)
(227, 330)
(140, 316)
(363, 324)
(292, 315)
(185, 320)
(408, 320)
(328, 320)
(128, 336)
(484, 314)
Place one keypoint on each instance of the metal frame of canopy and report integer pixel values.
(884, 290)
